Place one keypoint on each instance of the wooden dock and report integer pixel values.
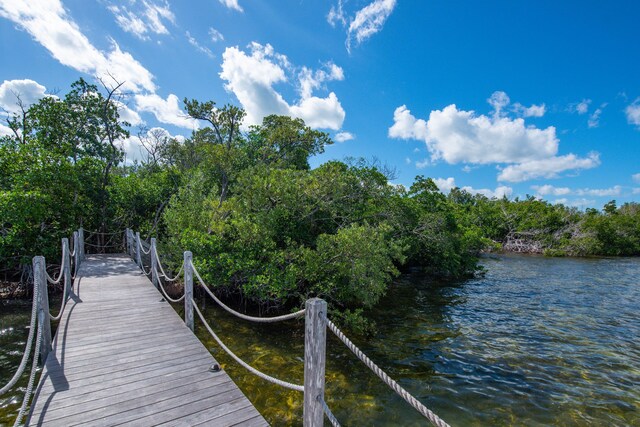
(122, 356)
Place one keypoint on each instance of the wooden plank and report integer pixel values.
(123, 356)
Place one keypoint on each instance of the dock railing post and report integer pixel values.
(66, 259)
(127, 241)
(40, 286)
(138, 251)
(188, 290)
(81, 245)
(315, 337)
(76, 252)
(154, 264)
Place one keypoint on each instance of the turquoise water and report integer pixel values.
(536, 341)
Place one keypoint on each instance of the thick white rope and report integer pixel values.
(244, 316)
(332, 419)
(165, 292)
(426, 412)
(61, 274)
(32, 377)
(142, 249)
(167, 278)
(64, 305)
(27, 349)
(242, 362)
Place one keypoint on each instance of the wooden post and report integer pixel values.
(40, 283)
(138, 251)
(188, 290)
(66, 260)
(81, 245)
(154, 264)
(315, 337)
(76, 255)
(127, 241)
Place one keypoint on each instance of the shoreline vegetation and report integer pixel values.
(263, 226)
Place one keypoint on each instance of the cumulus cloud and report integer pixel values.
(459, 136)
(232, 4)
(251, 78)
(547, 168)
(577, 203)
(5, 131)
(127, 114)
(49, 24)
(15, 92)
(344, 136)
(148, 18)
(166, 111)
(633, 112)
(636, 177)
(447, 184)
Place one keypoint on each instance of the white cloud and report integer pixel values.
(216, 36)
(128, 115)
(135, 150)
(533, 111)
(459, 136)
(423, 163)
(251, 77)
(148, 19)
(193, 42)
(594, 118)
(498, 100)
(344, 136)
(5, 131)
(311, 80)
(462, 136)
(48, 23)
(636, 177)
(581, 107)
(550, 190)
(633, 112)
(636, 191)
(369, 20)
(232, 4)
(545, 190)
(166, 111)
(547, 168)
(25, 91)
(407, 160)
(578, 203)
(336, 14)
(446, 185)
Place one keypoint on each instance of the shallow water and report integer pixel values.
(537, 341)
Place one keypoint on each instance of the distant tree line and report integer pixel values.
(263, 226)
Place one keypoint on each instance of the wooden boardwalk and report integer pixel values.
(122, 356)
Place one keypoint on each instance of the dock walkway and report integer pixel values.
(123, 356)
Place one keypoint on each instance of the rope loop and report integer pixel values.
(242, 362)
(244, 316)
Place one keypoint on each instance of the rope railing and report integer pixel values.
(426, 412)
(316, 324)
(242, 362)
(27, 350)
(39, 324)
(244, 316)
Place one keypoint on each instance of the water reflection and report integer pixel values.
(537, 341)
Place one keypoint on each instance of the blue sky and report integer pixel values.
(498, 97)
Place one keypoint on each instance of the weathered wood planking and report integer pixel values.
(122, 356)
